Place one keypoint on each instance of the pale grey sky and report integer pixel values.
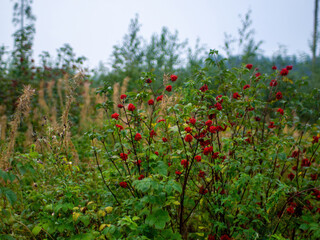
(92, 27)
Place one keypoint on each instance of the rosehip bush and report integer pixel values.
(225, 157)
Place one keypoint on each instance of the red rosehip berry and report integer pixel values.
(209, 123)
(131, 107)
(192, 121)
(279, 95)
(159, 98)
(280, 110)
(119, 126)
(184, 163)
(271, 125)
(188, 138)
(138, 137)
(123, 184)
(169, 88)
(124, 156)
(115, 116)
(141, 177)
(198, 158)
(284, 72)
(290, 210)
(204, 88)
(123, 96)
(202, 190)
(291, 176)
(246, 86)
(249, 66)
(173, 78)
(153, 133)
(218, 106)
(201, 174)
(258, 75)
(273, 83)
(188, 129)
(289, 67)
(236, 95)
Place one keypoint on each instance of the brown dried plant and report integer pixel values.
(124, 85)
(59, 89)
(116, 96)
(3, 122)
(41, 98)
(65, 127)
(22, 109)
(84, 114)
(56, 139)
(100, 112)
(166, 78)
(53, 107)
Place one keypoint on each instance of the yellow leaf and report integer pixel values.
(90, 203)
(103, 226)
(285, 79)
(75, 216)
(200, 234)
(109, 209)
(176, 203)
(101, 213)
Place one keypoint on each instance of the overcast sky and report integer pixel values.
(92, 27)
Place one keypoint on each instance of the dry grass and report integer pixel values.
(59, 88)
(116, 96)
(100, 112)
(85, 114)
(3, 123)
(41, 99)
(51, 133)
(23, 108)
(53, 107)
(124, 85)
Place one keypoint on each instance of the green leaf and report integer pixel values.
(36, 230)
(278, 237)
(304, 226)
(158, 218)
(168, 234)
(11, 196)
(176, 186)
(314, 226)
(162, 168)
(282, 156)
(143, 185)
(6, 237)
(83, 236)
(3, 175)
(85, 220)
